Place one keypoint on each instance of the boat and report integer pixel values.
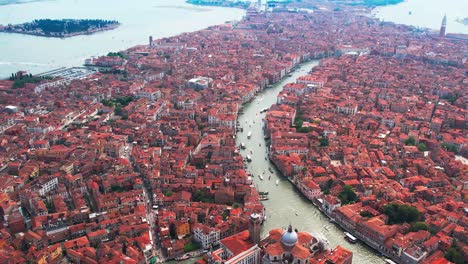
(389, 261)
(350, 238)
(264, 198)
(242, 145)
(327, 228)
(297, 214)
(269, 177)
(270, 169)
(249, 135)
(249, 159)
(184, 257)
(277, 182)
(263, 193)
(261, 177)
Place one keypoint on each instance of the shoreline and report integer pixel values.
(68, 35)
(57, 66)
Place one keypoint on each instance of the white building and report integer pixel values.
(199, 82)
(148, 93)
(310, 189)
(48, 186)
(206, 236)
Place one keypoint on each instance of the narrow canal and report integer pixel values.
(286, 205)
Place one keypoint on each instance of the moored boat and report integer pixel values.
(350, 238)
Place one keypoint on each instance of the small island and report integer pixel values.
(61, 28)
(223, 3)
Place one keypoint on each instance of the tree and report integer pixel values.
(303, 129)
(449, 147)
(410, 141)
(118, 111)
(298, 122)
(415, 227)
(365, 214)
(422, 147)
(347, 195)
(326, 189)
(173, 230)
(200, 196)
(191, 246)
(324, 142)
(454, 254)
(401, 213)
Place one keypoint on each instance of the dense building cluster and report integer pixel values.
(141, 160)
(387, 128)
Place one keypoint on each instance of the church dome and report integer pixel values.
(289, 237)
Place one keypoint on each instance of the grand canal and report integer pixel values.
(286, 204)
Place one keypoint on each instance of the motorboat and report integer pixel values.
(350, 238)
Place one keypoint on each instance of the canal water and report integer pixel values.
(286, 205)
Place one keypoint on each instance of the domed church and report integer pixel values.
(280, 247)
(290, 246)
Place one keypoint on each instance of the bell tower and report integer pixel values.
(254, 227)
(443, 27)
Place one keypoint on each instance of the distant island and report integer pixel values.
(61, 28)
(11, 2)
(292, 3)
(226, 3)
(376, 2)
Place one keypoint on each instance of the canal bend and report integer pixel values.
(286, 205)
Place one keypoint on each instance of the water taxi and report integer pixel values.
(350, 238)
